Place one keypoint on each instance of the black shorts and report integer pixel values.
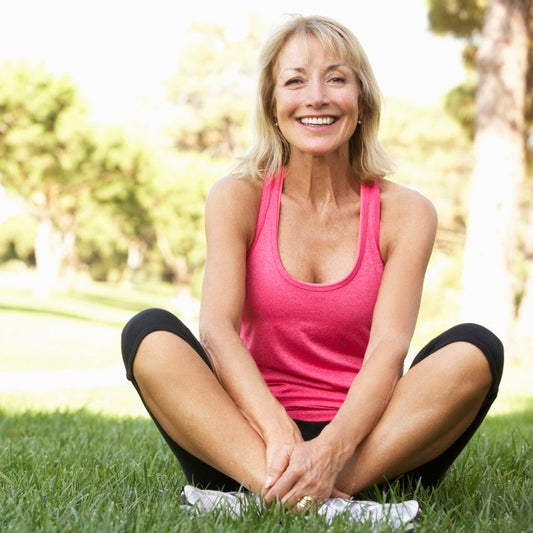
(202, 475)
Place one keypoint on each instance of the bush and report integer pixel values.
(17, 238)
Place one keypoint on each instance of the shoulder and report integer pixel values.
(406, 214)
(236, 185)
(233, 201)
(405, 202)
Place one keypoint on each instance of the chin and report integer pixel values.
(323, 152)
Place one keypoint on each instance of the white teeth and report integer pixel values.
(317, 121)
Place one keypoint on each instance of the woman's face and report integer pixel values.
(316, 98)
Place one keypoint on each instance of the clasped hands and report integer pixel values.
(301, 474)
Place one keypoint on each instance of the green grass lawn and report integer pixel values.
(80, 454)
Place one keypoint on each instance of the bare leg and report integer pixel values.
(432, 405)
(188, 401)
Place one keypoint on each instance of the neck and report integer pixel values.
(320, 180)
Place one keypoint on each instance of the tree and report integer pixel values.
(54, 160)
(464, 20)
(501, 62)
(212, 89)
(116, 224)
(178, 197)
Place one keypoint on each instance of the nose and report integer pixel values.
(317, 93)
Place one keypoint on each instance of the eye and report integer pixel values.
(293, 81)
(338, 79)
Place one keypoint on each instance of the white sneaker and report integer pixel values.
(203, 500)
(235, 503)
(394, 514)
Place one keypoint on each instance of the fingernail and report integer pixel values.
(268, 481)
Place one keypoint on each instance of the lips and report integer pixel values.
(317, 121)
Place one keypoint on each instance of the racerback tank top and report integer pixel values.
(309, 339)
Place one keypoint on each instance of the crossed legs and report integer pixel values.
(433, 404)
(435, 408)
(184, 396)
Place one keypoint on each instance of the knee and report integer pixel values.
(143, 322)
(487, 343)
(153, 358)
(138, 328)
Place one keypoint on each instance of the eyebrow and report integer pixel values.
(328, 69)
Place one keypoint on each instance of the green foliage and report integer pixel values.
(461, 18)
(127, 169)
(112, 192)
(44, 144)
(65, 169)
(178, 200)
(460, 103)
(102, 246)
(433, 155)
(17, 238)
(213, 88)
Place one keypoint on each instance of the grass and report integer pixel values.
(83, 456)
(82, 471)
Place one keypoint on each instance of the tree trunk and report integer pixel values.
(48, 256)
(68, 268)
(175, 264)
(501, 62)
(55, 255)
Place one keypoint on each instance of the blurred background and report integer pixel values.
(116, 117)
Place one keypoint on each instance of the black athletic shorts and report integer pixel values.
(202, 475)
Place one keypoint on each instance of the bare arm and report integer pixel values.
(231, 213)
(409, 232)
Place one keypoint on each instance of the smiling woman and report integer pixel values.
(312, 288)
(341, 68)
(316, 98)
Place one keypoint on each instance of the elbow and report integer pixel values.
(207, 339)
(393, 348)
(205, 332)
(215, 336)
(208, 335)
(403, 342)
(213, 329)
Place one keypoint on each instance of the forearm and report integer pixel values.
(239, 375)
(366, 401)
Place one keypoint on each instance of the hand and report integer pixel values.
(310, 469)
(279, 448)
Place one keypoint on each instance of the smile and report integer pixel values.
(317, 121)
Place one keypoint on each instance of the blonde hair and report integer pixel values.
(270, 151)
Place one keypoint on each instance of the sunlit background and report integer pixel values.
(121, 53)
(124, 56)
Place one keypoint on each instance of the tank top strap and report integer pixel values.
(268, 215)
(372, 198)
(269, 206)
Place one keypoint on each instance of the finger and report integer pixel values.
(276, 464)
(292, 487)
(305, 504)
(335, 493)
(284, 488)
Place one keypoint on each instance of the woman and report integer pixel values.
(314, 273)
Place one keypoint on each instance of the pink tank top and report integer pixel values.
(309, 339)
